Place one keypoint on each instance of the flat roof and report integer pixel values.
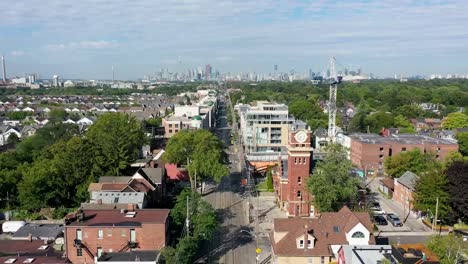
(131, 256)
(399, 138)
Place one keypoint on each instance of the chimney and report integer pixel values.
(99, 201)
(30, 237)
(131, 207)
(306, 237)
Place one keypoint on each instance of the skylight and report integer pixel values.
(12, 260)
(29, 260)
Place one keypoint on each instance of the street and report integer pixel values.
(230, 245)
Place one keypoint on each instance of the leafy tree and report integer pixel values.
(462, 138)
(116, 139)
(378, 120)
(431, 185)
(455, 120)
(20, 115)
(13, 138)
(410, 111)
(309, 111)
(269, 180)
(447, 247)
(202, 153)
(331, 182)
(153, 122)
(403, 124)
(457, 174)
(412, 160)
(34, 190)
(57, 115)
(358, 123)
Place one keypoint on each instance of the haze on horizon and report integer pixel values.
(85, 38)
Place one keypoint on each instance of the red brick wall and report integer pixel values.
(148, 237)
(403, 196)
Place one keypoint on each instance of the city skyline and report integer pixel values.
(85, 39)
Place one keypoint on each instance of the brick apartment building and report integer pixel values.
(92, 233)
(368, 151)
(405, 186)
(290, 179)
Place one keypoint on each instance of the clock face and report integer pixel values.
(301, 136)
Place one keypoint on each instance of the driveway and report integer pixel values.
(412, 223)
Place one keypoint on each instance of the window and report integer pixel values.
(380, 156)
(100, 234)
(309, 243)
(358, 234)
(79, 234)
(99, 251)
(170, 125)
(170, 130)
(299, 180)
(176, 125)
(322, 260)
(310, 260)
(381, 149)
(132, 235)
(438, 149)
(403, 149)
(295, 160)
(298, 194)
(79, 252)
(109, 232)
(301, 243)
(116, 199)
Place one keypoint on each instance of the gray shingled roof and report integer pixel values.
(43, 231)
(408, 179)
(114, 179)
(155, 174)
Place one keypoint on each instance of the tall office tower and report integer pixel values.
(207, 72)
(32, 78)
(56, 81)
(4, 69)
(276, 67)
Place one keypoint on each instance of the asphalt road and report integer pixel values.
(230, 244)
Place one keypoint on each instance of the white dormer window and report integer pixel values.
(301, 243)
(309, 244)
(358, 234)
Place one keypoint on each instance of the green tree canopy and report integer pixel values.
(403, 124)
(412, 160)
(57, 115)
(457, 174)
(432, 184)
(379, 120)
(462, 138)
(455, 120)
(116, 139)
(202, 153)
(331, 182)
(13, 138)
(447, 247)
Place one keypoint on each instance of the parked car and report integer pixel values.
(376, 209)
(12, 226)
(380, 220)
(394, 220)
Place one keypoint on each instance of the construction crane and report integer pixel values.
(334, 81)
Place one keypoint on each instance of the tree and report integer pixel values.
(457, 174)
(153, 122)
(331, 182)
(412, 160)
(410, 111)
(462, 138)
(403, 124)
(447, 247)
(378, 120)
(202, 153)
(13, 138)
(308, 111)
(455, 120)
(57, 115)
(20, 115)
(116, 139)
(431, 185)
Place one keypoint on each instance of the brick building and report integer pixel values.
(290, 179)
(91, 233)
(404, 188)
(368, 151)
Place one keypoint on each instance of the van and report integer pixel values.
(12, 226)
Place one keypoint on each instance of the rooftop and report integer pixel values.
(40, 231)
(399, 138)
(117, 218)
(408, 179)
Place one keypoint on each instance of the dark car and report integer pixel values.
(380, 220)
(394, 220)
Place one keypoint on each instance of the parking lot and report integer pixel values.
(412, 223)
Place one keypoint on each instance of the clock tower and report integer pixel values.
(293, 195)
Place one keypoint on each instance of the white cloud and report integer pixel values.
(100, 44)
(17, 53)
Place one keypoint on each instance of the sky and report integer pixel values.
(83, 39)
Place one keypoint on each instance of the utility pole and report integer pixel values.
(436, 212)
(187, 220)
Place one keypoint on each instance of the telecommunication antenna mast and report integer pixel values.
(334, 81)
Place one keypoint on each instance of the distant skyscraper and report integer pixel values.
(4, 69)
(56, 81)
(276, 67)
(207, 72)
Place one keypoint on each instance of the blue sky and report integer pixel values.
(83, 39)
